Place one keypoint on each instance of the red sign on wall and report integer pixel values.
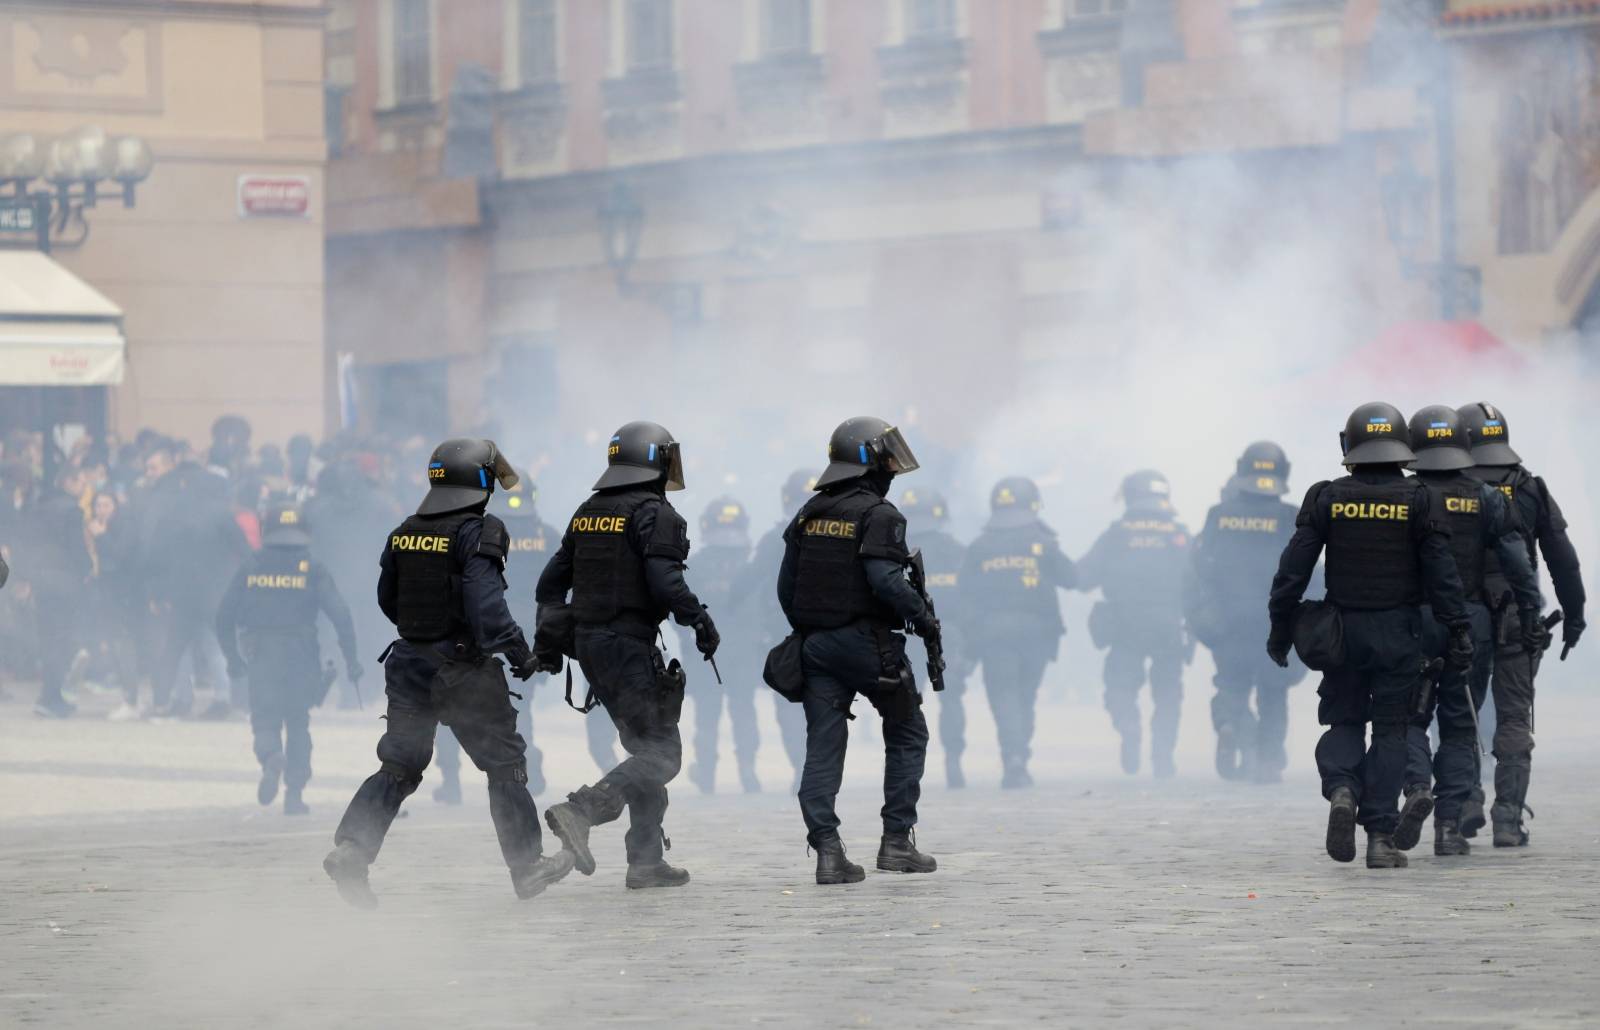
(274, 196)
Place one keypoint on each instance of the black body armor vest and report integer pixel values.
(831, 588)
(1459, 501)
(1244, 537)
(429, 595)
(1008, 577)
(607, 573)
(279, 595)
(1523, 500)
(1372, 560)
(942, 555)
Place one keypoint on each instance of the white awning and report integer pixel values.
(55, 329)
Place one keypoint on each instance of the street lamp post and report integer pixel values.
(621, 228)
(47, 185)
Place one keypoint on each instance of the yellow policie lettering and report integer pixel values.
(943, 579)
(275, 582)
(1248, 524)
(1464, 505)
(1148, 526)
(1371, 510)
(409, 542)
(600, 524)
(527, 543)
(837, 529)
(1010, 562)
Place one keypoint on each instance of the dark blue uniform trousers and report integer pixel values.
(1454, 768)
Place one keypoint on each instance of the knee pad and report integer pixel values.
(408, 778)
(517, 772)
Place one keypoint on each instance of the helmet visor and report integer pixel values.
(674, 466)
(897, 455)
(504, 474)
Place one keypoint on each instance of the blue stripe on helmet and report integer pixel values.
(652, 453)
(863, 454)
(483, 478)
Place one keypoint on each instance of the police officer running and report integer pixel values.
(267, 628)
(1516, 661)
(720, 560)
(1481, 524)
(441, 582)
(1234, 558)
(1139, 564)
(1386, 548)
(1009, 580)
(622, 557)
(927, 523)
(529, 542)
(843, 586)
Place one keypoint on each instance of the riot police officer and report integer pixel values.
(441, 582)
(843, 586)
(622, 557)
(756, 589)
(1139, 564)
(719, 561)
(927, 524)
(1234, 558)
(1481, 523)
(1544, 531)
(529, 543)
(267, 628)
(1386, 549)
(1009, 580)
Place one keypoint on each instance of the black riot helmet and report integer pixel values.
(725, 523)
(862, 445)
(1375, 434)
(1014, 501)
(1263, 469)
(462, 474)
(924, 508)
(1439, 441)
(283, 524)
(1146, 489)
(516, 501)
(642, 452)
(795, 488)
(1488, 434)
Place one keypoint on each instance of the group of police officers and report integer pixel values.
(1431, 599)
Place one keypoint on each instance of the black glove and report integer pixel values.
(1535, 637)
(925, 626)
(1460, 649)
(1571, 631)
(706, 637)
(523, 663)
(1279, 641)
(547, 662)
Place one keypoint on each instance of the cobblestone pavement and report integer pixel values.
(153, 893)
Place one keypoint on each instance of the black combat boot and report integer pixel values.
(572, 819)
(749, 782)
(1447, 839)
(655, 874)
(292, 803)
(1413, 814)
(832, 865)
(898, 854)
(704, 777)
(1230, 763)
(1342, 825)
(347, 867)
(1130, 753)
(448, 792)
(1382, 853)
(954, 778)
(1472, 818)
(1510, 835)
(1163, 767)
(1015, 775)
(529, 881)
(267, 789)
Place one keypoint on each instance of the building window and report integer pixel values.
(930, 19)
(413, 51)
(786, 27)
(1094, 8)
(536, 41)
(649, 35)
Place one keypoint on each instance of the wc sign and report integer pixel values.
(274, 196)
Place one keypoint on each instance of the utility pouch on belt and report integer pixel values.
(557, 631)
(670, 682)
(1319, 635)
(896, 696)
(469, 689)
(1101, 628)
(784, 671)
